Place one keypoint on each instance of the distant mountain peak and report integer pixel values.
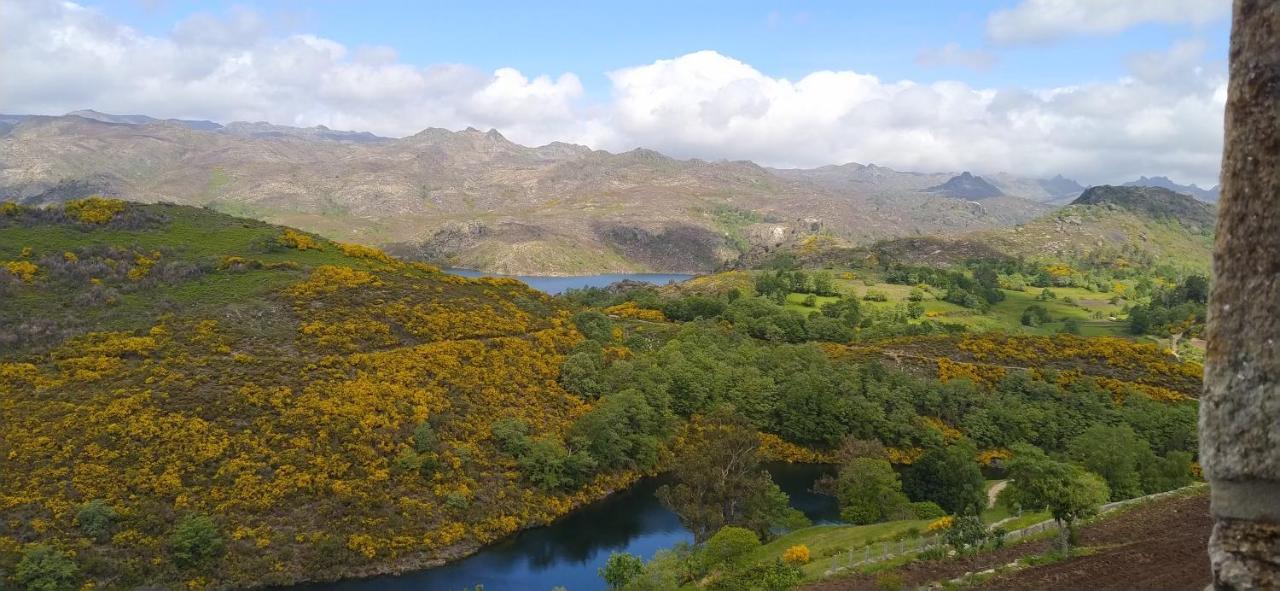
(1164, 182)
(966, 186)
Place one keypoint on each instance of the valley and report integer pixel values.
(239, 404)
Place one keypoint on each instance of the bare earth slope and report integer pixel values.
(475, 199)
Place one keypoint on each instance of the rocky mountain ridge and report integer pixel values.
(474, 198)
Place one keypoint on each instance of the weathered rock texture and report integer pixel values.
(1240, 410)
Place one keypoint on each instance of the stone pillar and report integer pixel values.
(1240, 408)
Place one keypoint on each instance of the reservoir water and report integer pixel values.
(556, 285)
(567, 553)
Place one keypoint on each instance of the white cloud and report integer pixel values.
(59, 57)
(1165, 118)
(1038, 21)
(952, 55)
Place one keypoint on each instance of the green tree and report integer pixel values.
(950, 477)
(1069, 492)
(869, 491)
(624, 431)
(1167, 473)
(43, 568)
(594, 326)
(581, 373)
(96, 518)
(621, 569)
(1116, 453)
(729, 546)
(822, 284)
(966, 535)
(195, 540)
(720, 481)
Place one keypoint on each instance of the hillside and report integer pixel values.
(1117, 226)
(474, 198)
(201, 400)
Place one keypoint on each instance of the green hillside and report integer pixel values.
(196, 399)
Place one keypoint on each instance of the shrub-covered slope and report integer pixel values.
(194, 399)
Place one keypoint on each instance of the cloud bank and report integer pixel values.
(1163, 118)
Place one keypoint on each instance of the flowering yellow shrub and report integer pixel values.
(977, 373)
(94, 210)
(301, 443)
(295, 239)
(361, 251)
(797, 555)
(24, 270)
(903, 457)
(940, 524)
(631, 310)
(988, 457)
(949, 434)
(777, 449)
(329, 278)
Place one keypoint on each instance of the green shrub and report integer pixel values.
(927, 510)
(96, 518)
(43, 568)
(195, 540)
(621, 569)
(729, 545)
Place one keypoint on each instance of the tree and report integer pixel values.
(966, 535)
(96, 518)
(621, 569)
(719, 480)
(43, 568)
(581, 373)
(1068, 491)
(869, 491)
(1167, 473)
(729, 546)
(1116, 453)
(594, 325)
(195, 540)
(623, 431)
(950, 477)
(822, 284)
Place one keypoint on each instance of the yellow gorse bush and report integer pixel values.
(797, 555)
(940, 524)
(295, 239)
(94, 210)
(24, 270)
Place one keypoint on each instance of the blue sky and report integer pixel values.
(1101, 90)
(788, 39)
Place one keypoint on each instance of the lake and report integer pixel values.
(556, 285)
(568, 552)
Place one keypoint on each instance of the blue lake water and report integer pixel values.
(568, 552)
(556, 285)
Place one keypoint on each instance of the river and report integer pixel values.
(556, 285)
(567, 553)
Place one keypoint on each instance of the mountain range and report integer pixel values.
(475, 199)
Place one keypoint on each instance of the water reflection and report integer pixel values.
(568, 552)
(556, 285)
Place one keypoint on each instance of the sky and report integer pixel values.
(1098, 90)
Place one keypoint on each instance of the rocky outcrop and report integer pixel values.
(1240, 408)
(967, 186)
